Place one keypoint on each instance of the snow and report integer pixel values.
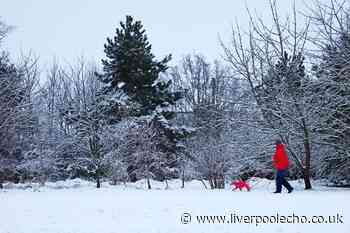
(163, 79)
(76, 206)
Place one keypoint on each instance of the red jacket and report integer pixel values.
(280, 159)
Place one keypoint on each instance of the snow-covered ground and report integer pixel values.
(77, 207)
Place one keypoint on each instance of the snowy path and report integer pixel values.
(123, 210)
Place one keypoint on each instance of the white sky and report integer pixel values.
(71, 28)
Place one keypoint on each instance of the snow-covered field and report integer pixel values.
(77, 207)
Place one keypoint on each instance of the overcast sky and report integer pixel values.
(71, 28)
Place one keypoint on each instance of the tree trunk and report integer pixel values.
(183, 179)
(306, 171)
(221, 182)
(166, 184)
(98, 182)
(205, 186)
(114, 182)
(148, 183)
(1, 186)
(211, 182)
(307, 181)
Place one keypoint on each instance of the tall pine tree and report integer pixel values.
(131, 69)
(136, 86)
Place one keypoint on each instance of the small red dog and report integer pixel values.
(240, 184)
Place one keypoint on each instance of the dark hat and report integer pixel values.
(278, 141)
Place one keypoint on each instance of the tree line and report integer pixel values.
(136, 117)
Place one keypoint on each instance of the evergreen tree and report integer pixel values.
(11, 99)
(131, 69)
(135, 86)
(333, 90)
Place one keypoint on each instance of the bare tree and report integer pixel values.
(268, 58)
(210, 95)
(144, 141)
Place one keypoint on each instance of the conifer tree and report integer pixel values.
(131, 70)
(333, 96)
(135, 85)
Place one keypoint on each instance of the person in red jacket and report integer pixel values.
(281, 163)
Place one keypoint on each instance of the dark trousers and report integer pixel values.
(281, 180)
